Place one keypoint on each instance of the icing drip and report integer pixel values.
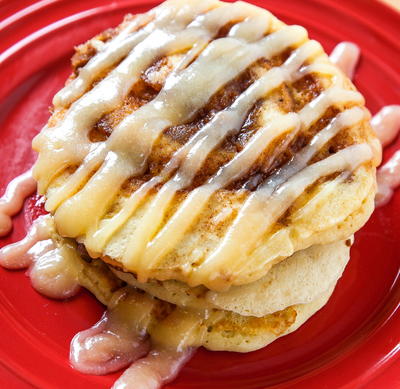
(388, 178)
(12, 201)
(163, 16)
(17, 255)
(52, 273)
(106, 347)
(51, 268)
(346, 56)
(120, 339)
(386, 124)
(158, 368)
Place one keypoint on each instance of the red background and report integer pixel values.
(350, 343)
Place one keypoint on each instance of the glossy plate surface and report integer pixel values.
(352, 342)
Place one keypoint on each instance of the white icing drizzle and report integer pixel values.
(266, 205)
(89, 108)
(164, 16)
(191, 207)
(195, 151)
(206, 139)
(346, 56)
(13, 199)
(88, 193)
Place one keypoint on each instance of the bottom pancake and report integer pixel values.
(299, 279)
(57, 268)
(174, 326)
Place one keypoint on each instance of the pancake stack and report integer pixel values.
(210, 165)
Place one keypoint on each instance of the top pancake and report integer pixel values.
(204, 142)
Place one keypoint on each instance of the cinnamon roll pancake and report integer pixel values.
(204, 142)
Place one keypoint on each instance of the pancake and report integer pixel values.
(205, 142)
(300, 279)
(215, 329)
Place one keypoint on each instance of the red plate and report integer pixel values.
(352, 342)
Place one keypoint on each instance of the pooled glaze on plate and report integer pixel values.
(11, 202)
(158, 368)
(51, 269)
(119, 338)
(107, 347)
